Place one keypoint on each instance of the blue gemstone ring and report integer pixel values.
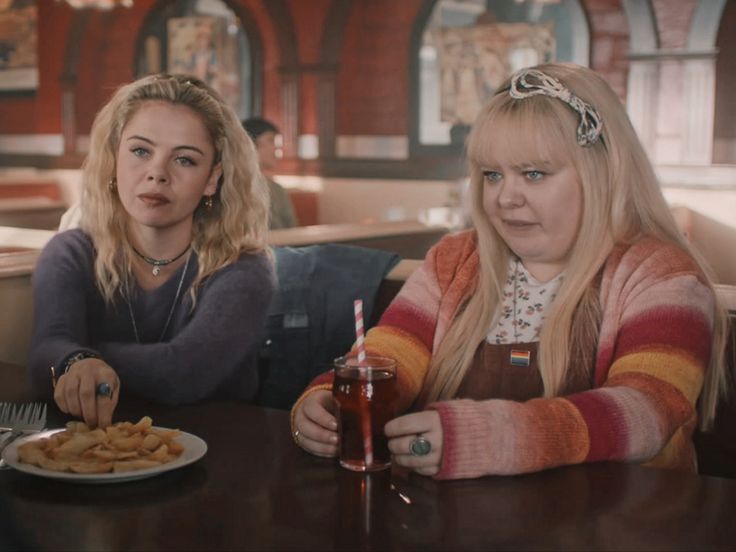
(104, 390)
(420, 446)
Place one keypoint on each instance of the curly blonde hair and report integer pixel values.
(236, 223)
(622, 202)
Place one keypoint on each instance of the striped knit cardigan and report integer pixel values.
(653, 350)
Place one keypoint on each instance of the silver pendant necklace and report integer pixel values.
(171, 311)
(158, 263)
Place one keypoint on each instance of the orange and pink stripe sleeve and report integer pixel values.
(649, 371)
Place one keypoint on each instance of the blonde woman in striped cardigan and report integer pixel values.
(572, 324)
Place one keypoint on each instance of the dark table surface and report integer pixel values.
(255, 490)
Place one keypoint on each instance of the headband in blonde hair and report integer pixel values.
(532, 82)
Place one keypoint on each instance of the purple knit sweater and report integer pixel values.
(208, 352)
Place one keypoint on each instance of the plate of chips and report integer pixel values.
(121, 452)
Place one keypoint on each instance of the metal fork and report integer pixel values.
(25, 417)
(7, 416)
(18, 421)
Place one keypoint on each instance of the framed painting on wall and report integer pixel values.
(475, 60)
(18, 45)
(201, 46)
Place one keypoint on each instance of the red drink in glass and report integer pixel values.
(365, 396)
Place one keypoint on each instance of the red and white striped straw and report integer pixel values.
(366, 414)
(358, 304)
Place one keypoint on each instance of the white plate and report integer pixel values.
(194, 449)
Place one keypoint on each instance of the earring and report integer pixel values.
(112, 183)
(208, 202)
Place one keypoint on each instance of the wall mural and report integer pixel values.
(202, 47)
(18, 45)
(475, 60)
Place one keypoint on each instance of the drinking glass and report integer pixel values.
(365, 393)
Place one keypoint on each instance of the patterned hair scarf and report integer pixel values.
(531, 82)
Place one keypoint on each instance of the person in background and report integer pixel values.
(573, 324)
(163, 290)
(263, 133)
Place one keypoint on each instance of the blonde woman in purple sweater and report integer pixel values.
(163, 290)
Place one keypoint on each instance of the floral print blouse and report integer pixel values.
(522, 310)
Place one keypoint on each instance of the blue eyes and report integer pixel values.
(185, 161)
(532, 175)
(182, 160)
(492, 176)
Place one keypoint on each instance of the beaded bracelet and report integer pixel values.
(81, 355)
(67, 363)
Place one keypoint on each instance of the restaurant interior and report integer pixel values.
(373, 100)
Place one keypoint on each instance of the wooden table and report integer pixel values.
(255, 490)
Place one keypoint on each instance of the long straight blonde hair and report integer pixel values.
(237, 221)
(622, 202)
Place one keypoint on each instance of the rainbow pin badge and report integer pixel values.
(520, 358)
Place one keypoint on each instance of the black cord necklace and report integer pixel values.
(158, 263)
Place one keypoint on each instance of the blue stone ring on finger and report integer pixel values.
(104, 390)
(420, 446)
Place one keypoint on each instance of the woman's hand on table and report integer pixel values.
(402, 431)
(315, 425)
(76, 392)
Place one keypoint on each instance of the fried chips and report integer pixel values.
(121, 447)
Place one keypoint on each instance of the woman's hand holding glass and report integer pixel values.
(315, 430)
(76, 392)
(315, 425)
